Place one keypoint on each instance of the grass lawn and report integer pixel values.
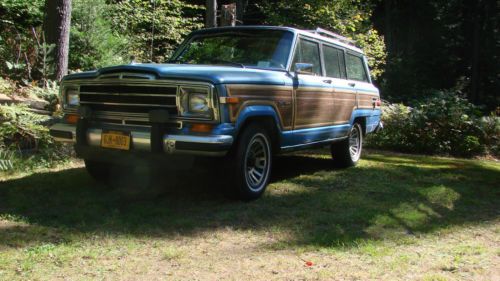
(393, 217)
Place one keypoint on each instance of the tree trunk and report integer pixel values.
(211, 15)
(228, 15)
(56, 27)
(241, 5)
(388, 25)
(476, 37)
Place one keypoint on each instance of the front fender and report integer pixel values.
(252, 111)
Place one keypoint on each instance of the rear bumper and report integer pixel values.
(141, 141)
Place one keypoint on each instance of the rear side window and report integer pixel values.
(334, 62)
(308, 52)
(356, 68)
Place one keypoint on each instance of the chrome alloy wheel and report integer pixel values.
(355, 143)
(257, 162)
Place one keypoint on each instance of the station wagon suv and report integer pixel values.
(242, 94)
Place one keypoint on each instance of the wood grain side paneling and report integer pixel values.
(344, 104)
(365, 101)
(314, 108)
(279, 97)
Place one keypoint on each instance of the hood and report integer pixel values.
(214, 74)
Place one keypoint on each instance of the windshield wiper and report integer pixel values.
(176, 61)
(218, 61)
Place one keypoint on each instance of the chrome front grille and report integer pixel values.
(137, 99)
(127, 98)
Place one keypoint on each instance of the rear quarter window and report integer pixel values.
(356, 68)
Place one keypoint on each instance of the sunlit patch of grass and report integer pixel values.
(171, 253)
(440, 195)
(435, 277)
(53, 221)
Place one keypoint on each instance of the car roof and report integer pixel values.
(308, 33)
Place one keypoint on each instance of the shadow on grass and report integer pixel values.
(387, 196)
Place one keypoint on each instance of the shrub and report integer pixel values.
(7, 87)
(444, 123)
(25, 139)
(21, 41)
(49, 93)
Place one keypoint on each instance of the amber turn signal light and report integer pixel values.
(232, 100)
(201, 128)
(71, 118)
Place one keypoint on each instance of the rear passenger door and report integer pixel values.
(344, 93)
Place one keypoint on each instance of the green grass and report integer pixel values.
(380, 213)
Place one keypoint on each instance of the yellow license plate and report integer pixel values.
(116, 140)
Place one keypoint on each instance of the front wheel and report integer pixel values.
(250, 162)
(346, 153)
(104, 172)
(99, 171)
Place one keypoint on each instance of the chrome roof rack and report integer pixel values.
(333, 35)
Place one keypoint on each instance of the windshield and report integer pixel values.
(241, 48)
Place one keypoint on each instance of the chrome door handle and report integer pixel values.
(329, 81)
(352, 84)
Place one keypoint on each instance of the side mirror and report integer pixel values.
(304, 68)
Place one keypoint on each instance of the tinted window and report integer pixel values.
(356, 68)
(308, 52)
(334, 61)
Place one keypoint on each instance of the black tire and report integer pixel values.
(250, 173)
(346, 153)
(99, 171)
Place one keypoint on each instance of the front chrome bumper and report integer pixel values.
(206, 145)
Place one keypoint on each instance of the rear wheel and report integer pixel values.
(250, 162)
(347, 153)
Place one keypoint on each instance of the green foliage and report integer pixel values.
(171, 20)
(49, 93)
(7, 87)
(21, 13)
(93, 43)
(19, 27)
(22, 129)
(22, 133)
(444, 123)
(5, 160)
(351, 18)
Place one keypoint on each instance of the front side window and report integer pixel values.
(246, 48)
(356, 68)
(308, 52)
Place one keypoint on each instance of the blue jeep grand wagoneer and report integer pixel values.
(241, 93)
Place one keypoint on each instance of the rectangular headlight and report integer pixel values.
(72, 96)
(195, 102)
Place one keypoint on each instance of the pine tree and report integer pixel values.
(57, 27)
